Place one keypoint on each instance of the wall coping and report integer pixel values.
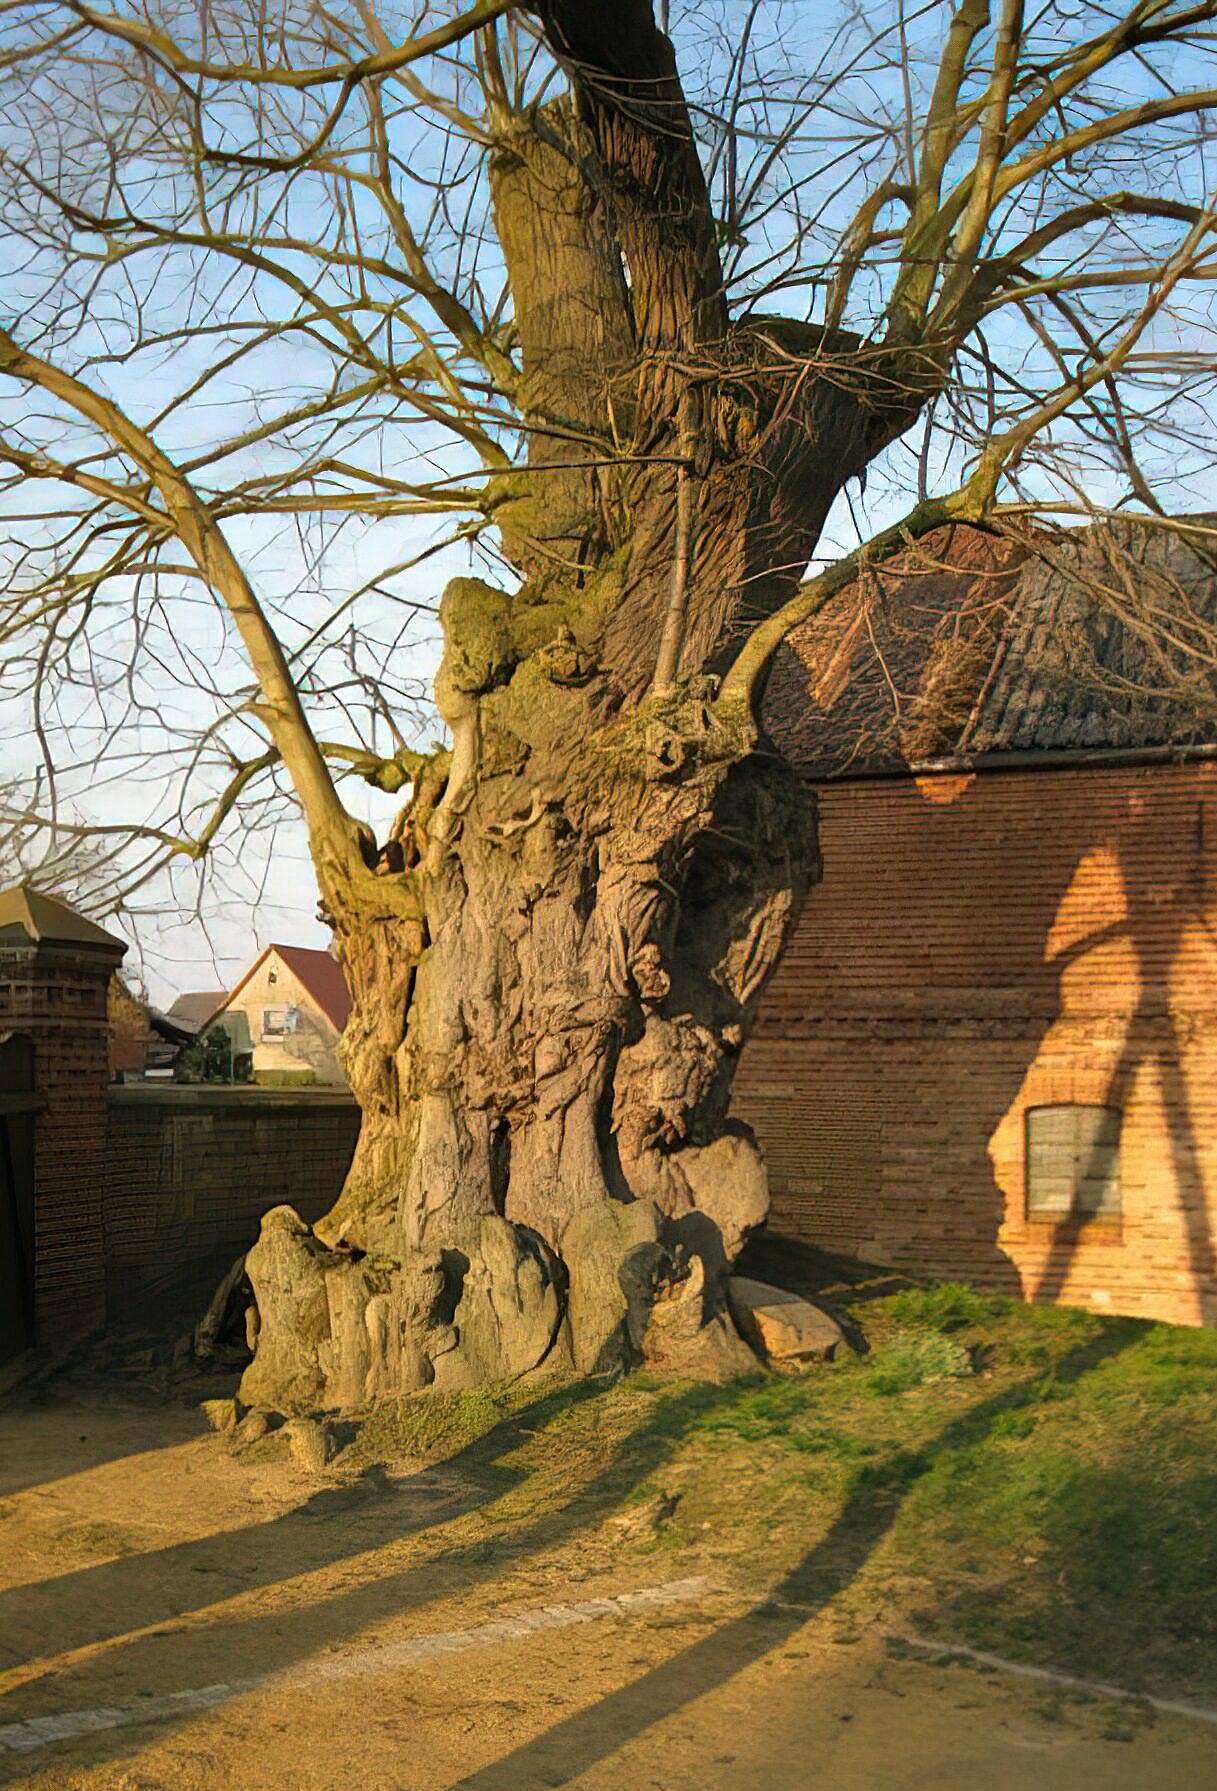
(100, 961)
(223, 1094)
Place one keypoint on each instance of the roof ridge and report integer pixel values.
(332, 995)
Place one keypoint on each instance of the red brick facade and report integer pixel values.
(55, 995)
(983, 944)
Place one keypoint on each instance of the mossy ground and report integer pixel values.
(1035, 1482)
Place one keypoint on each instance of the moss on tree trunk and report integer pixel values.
(547, 1169)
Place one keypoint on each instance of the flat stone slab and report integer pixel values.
(782, 1325)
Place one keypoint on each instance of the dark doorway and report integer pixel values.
(17, 1105)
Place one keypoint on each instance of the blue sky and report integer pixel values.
(110, 727)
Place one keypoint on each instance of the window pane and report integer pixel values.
(1073, 1162)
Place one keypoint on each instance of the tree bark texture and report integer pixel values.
(556, 956)
(546, 1169)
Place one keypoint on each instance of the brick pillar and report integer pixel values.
(55, 970)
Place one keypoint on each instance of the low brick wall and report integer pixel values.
(982, 945)
(190, 1171)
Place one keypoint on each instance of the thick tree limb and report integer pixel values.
(628, 92)
(333, 832)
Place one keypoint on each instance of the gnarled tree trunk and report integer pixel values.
(557, 961)
(544, 1064)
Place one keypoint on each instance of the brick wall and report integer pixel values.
(982, 944)
(56, 996)
(191, 1170)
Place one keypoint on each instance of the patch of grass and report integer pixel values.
(1037, 1483)
(1124, 1722)
(917, 1360)
(426, 1427)
(946, 1307)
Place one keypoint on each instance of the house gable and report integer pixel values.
(276, 1016)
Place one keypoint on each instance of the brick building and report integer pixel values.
(991, 1048)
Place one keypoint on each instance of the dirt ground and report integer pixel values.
(141, 1558)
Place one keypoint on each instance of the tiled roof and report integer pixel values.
(320, 974)
(1094, 655)
(195, 1008)
(975, 645)
(171, 1030)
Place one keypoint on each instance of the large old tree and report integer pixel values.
(636, 319)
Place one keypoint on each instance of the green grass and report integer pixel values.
(918, 1359)
(433, 1426)
(1039, 1483)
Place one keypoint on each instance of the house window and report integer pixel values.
(278, 1022)
(1073, 1163)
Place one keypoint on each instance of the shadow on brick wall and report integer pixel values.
(189, 1174)
(981, 945)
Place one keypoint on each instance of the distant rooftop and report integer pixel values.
(322, 976)
(973, 646)
(194, 1009)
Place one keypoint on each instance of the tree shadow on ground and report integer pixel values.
(252, 1643)
(79, 1428)
(111, 1598)
(573, 1746)
(1105, 1547)
(262, 1642)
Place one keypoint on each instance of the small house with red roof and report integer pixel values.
(286, 1015)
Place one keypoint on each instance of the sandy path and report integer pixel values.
(141, 1559)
